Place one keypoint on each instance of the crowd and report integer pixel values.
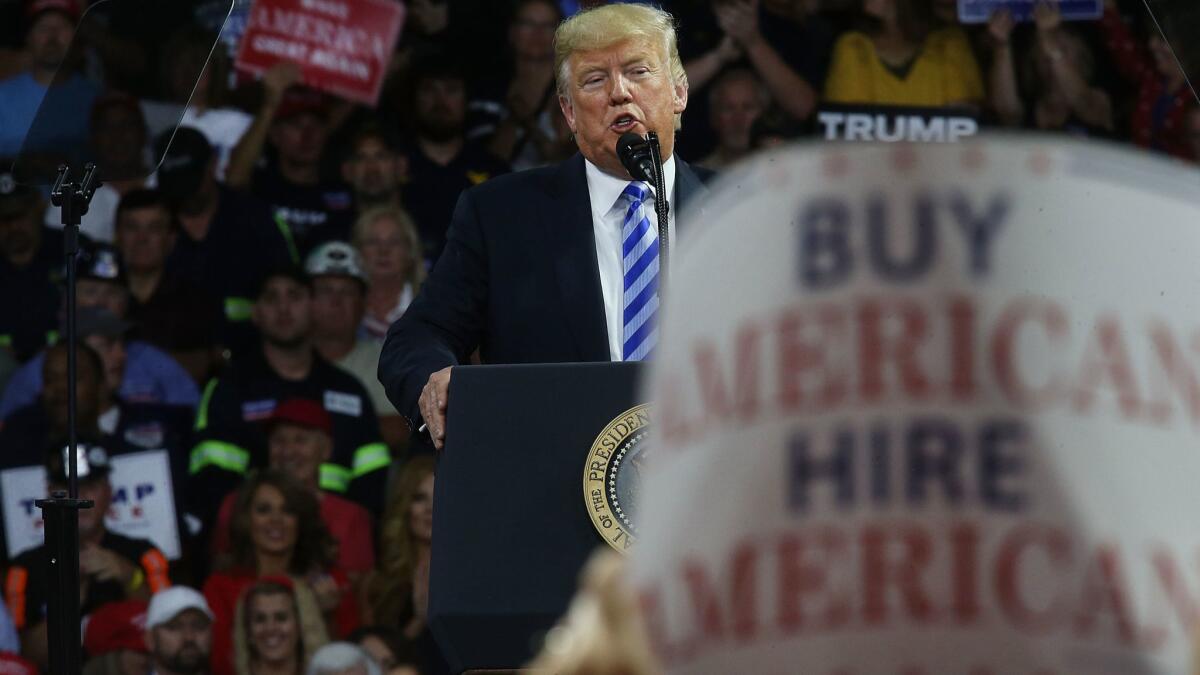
(233, 297)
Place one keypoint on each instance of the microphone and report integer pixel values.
(634, 153)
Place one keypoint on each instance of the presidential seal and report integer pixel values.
(612, 477)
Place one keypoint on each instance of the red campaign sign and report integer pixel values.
(342, 46)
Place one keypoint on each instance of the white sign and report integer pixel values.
(938, 413)
(143, 503)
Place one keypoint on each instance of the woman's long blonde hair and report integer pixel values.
(389, 585)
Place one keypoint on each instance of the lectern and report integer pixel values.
(511, 532)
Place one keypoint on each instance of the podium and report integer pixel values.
(511, 532)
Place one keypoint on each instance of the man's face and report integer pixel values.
(298, 451)
(624, 88)
(738, 104)
(373, 171)
(283, 312)
(55, 391)
(300, 138)
(337, 306)
(48, 39)
(20, 233)
(111, 349)
(100, 293)
(119, 134)
(532, 31)
(441, 108)
(144, 238)
(182, 644)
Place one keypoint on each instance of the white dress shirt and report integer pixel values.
(608, 218)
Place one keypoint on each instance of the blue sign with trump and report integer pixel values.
(979, 11)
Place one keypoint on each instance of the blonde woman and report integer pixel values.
(386, 238)
(279, 627)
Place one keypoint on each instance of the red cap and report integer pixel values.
(12, 664)
(303, 412)
(116, 626)
(68, 7)
(298, 100)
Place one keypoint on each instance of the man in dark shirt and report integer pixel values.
(31, 260)
(441, 163)
(232, 419)
(227, 239)
(167, 310)
(112, 567)
(373, 168)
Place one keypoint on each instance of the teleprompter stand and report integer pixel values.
(60, 513)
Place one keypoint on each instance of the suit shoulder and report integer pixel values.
(518, 185)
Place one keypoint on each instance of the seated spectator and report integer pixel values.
(339, 288)
(773, 129)
(900, 59)
(387, 648)
(1163, 94)
(299, 442)
(397, 592)
(441, 163)
(114, 640)
(112, 567)
(179, 632)
(390, 247)
(31, 264)
(517, 113)
(118, 141)
(141, 373)
(374, 168)
(230, 424)
(276, 530)
(48, 30)
(1060, 70)
(167, 310)
(342, 658)
(297, 122)
(279, 627)
(227, 240)
(735, 100)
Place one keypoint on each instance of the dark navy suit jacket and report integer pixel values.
(518, 279)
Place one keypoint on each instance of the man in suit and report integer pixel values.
(557, 264)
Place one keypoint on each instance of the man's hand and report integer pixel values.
(739, 20)
(1000, 27)
(433, 405)
(1047, 16)
(276, 81)
(105, 565)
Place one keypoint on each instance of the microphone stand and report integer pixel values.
(60, 513)
(661, 209)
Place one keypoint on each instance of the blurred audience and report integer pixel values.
(397, 592)
(228, 240)
(339, 288)
(231, 422)
(179, 632)
(441, 162)
(299, 441)
(279, 627)
(342, 658)
(49, 25)
(387, 648)
(736, 100)
(374, 168)
(112, 567)
(167, 310)
(390, 247)
(114, 640)
(900, 57)
(276, 530)
(31, 264)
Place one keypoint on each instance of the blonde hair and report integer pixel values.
(607, 25)
(408, 232)
(389, 585)
(309, 621)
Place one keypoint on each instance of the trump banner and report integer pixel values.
(342, 46)
(979, 11)
(939, 413)
(142, 505)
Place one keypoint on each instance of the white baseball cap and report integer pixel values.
(334, 259)
(167, 604)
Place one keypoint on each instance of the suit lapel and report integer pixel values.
(572, 243)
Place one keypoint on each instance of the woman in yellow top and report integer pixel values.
(900, 59)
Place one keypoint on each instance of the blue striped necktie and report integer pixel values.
(640, 262)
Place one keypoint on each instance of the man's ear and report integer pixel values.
(681, 96)
(568, 111)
